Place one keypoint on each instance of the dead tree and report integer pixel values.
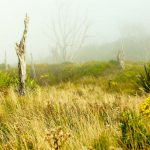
(32, 71)
(21, 53)
(120, 59)
(68, 34)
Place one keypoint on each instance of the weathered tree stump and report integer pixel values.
(120, 59)
(21, 53)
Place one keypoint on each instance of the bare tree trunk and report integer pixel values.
(120, 59)
(21, 52)
(33, 74)
(5, 61)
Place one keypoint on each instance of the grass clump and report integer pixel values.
(103, 142)
(134, 132)
(144, 78)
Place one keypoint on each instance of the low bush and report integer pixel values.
(10, 79)
(134, 132)
(144, 79)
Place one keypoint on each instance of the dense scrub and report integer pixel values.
(105, 74)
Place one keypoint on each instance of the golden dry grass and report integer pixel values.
(66, 116)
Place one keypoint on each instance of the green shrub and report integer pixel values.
(93, 68)
(8, 79)
(31, 83)
(144, 78)
(134, 132)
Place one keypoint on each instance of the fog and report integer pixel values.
(108, 21)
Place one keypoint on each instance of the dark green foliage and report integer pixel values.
(56, 73)
(93, 69)
(134, 133)
(144, 78)
(8, 79)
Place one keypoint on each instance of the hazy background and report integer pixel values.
(110, 21)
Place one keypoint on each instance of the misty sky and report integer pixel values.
(105, 18)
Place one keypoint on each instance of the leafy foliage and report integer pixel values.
(134, 132)
(145, 107)
(10, 79)
(144, 78)
(7, 79)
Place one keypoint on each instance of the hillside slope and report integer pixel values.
(135, 49)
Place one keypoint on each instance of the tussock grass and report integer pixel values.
(66, 116)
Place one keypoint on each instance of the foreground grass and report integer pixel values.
(66, 116)
(90, 106)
